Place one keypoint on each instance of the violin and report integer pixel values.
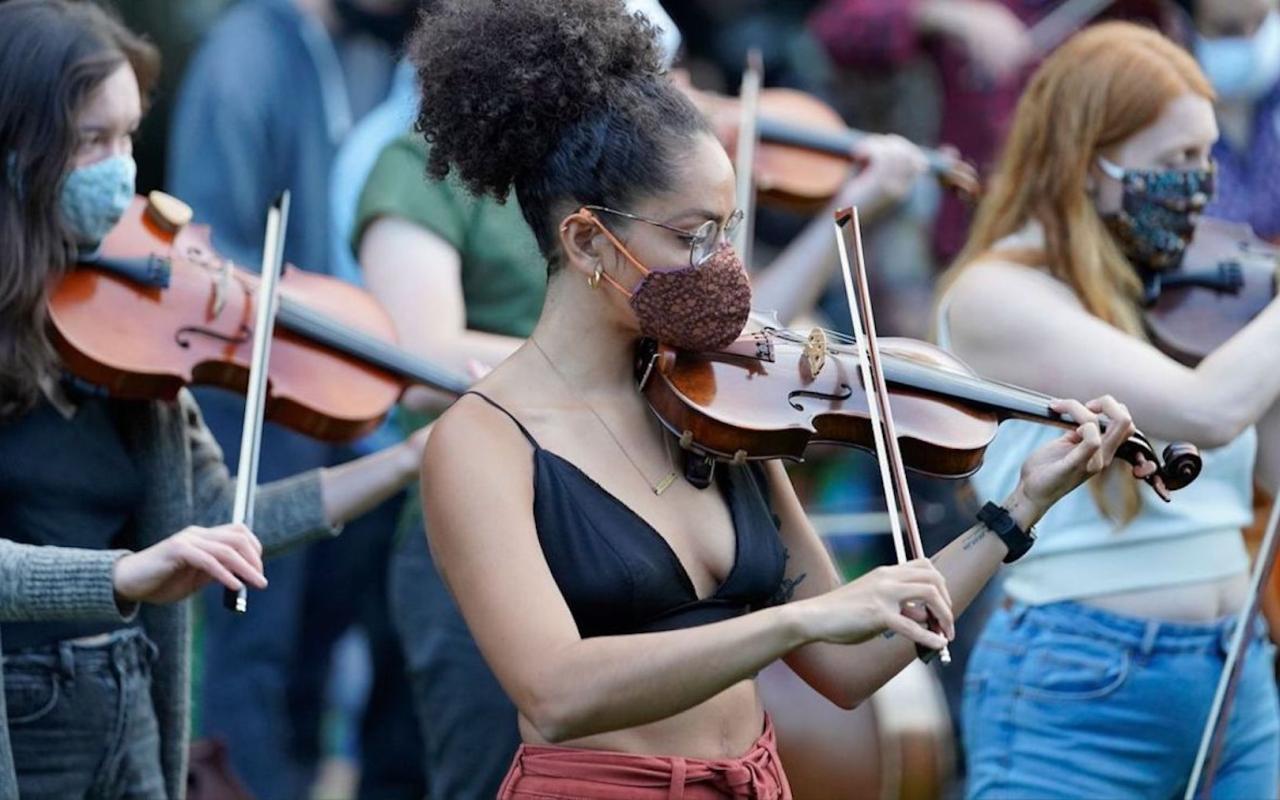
(157, 308)
(805, 150)
(774, 392)
(1226, 277)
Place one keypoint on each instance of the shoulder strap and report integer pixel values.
(512, 417)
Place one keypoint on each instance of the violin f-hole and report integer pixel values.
(844, 393)
(183, 335)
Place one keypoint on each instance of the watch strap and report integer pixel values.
(1001, 523)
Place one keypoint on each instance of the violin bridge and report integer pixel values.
(815, 352)
(221, 287)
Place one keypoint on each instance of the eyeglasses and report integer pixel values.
(703, 240)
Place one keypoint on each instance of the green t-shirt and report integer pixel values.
(504, 277)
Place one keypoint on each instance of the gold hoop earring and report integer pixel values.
(594, 279)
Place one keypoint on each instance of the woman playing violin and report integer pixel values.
(95, 685)
(1069, 693)
(623, 610)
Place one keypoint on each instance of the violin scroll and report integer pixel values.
(1182, 465)
(1179, 465)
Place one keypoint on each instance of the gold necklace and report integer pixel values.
(658, 488)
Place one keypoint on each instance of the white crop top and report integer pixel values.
(1081, 553)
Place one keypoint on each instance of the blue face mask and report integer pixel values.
(1243, 67)
(94, 197)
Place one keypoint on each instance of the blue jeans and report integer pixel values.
(81, 720)
(1068, 701)
(468, 723)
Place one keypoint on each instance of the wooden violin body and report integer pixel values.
(771, 396)
(1225, 279)
(335, 368)
(716, 396)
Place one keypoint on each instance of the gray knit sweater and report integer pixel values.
(186, 484)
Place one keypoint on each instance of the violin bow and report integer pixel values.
(1048, 32)
(256, 393)
(893, 473)
(745, 152)
(1214, 735)
(1053, 28)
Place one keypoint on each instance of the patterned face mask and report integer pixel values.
(1154, 223)
(699, 308)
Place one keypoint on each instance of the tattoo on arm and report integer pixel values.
(788, 588)
(971, 539)
(975, 535)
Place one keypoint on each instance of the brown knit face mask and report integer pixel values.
(701, 309)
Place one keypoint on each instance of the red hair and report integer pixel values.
(1103, 85)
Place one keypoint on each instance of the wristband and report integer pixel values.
(998, 520)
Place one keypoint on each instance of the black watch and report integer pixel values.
(998, 520)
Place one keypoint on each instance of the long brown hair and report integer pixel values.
(1102, 86)
(53, 54)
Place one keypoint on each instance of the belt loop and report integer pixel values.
(66, 659)
(676, 790)
(1149, 637)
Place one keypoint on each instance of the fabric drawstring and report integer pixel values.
(758, 775)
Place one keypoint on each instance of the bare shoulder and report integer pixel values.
(474, 434)
(994, 276)
(995, 296)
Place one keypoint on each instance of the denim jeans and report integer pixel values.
(81, 720)
(1068, 701)
(469, 724)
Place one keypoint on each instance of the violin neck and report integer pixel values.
(299, 319)
(1007, 401)
(835, 143)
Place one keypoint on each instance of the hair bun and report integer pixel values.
(501, 80)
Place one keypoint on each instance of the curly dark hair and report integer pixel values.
(566, 100)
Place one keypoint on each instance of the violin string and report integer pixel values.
(1021, 393)
(330, 332)
(1037, 403)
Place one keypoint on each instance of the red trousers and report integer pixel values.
(541, 772)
